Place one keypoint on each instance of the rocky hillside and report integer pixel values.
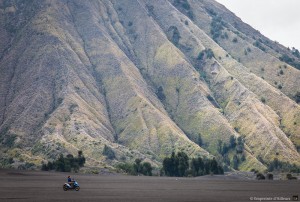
(144, 78)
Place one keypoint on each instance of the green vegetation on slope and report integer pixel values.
(66, 164)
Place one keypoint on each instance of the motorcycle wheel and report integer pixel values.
(77, 188)
(65, 188)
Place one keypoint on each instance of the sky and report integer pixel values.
(279, 20)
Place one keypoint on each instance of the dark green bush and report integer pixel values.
(65, 164)
(207, 53)
(108, 152)
(297, 97)
(260, 176)
(137, 168)
(290, 61)
(160, 93)
(174, 35)
(259, 45)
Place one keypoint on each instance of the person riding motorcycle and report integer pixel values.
(70, 181)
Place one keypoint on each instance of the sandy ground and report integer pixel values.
(47, 186)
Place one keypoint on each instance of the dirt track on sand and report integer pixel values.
(47, 186)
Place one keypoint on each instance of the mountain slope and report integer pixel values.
(145, 79)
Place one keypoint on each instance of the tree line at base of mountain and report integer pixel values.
(136, 168)
(66, 164)
(180, 165)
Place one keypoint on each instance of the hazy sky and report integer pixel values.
(278, 20)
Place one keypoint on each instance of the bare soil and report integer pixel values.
(47, 186)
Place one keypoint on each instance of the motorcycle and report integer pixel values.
(75, 186)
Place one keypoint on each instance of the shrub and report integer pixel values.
(263, 100)
(270, 176)
(160, 93)
(259, 45)
(200, 141)
(260, 176)
(281, 72)
(126, 167)
(290, 177)
(232, 142)
(108, 152)
(235, 40)
(297, 97)
(296, 53)
(9, 141)
(207, 53)
(243, 158)
(226, 35)
(174, 36)
(216, 27)
(235, 161)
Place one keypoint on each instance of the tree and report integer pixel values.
(194, 167)
(81, 158)
(147, 169)
(183, 164)
(219, 147)
(60, 163)
(232, 141)
(260, 176)
(297, 97)
(160, 93)
(240, 145)
(175, 35)
(214, 166)
(235, 161)
(226, 159)
(225, 149)
(168, 167)
(200, 141)
(137, 166)
(243, 157)
(127, 167)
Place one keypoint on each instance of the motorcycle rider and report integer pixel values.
(70, 181)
